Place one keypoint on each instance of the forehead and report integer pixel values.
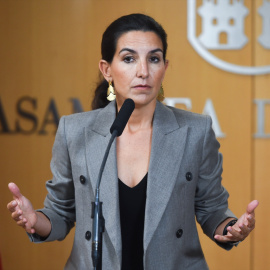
(139, 39)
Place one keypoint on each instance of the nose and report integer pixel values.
(142, 69)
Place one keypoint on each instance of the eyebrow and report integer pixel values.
(132, 51)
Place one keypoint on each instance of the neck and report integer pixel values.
(141, 118)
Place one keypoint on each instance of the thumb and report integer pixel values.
(252, 206)
(15, 190)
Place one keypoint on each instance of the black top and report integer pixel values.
(132, 209)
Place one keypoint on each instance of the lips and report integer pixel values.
(142, 86)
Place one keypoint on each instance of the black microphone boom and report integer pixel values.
(98, 220)
(123, 116)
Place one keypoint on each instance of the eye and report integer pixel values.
(128, 59)
(154, 59)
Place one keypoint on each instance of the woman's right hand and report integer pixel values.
(22, 210)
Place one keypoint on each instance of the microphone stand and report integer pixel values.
(97, 216)
(98, 219)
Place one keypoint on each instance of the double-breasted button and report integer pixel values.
(189, 176)
(82, 179)
(179, 233)
(88, 235)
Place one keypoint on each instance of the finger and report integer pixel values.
(219, 238)
(222, 238)
(11, 206)
(251, 222)
(239, 235)
(252, 206)
(15, 190)
(22, 222)
(17, 215)
(28, 228)
(244, 230)
(247, 227)
(227, 238)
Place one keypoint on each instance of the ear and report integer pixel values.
(166, 66)
(105, 69)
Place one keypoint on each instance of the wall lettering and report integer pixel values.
(261, 103)
(30, 116)
(208, 110)
(26, 110)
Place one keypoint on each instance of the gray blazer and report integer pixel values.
(184, 182)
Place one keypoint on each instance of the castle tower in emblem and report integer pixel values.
(223, 17)
(264, 11)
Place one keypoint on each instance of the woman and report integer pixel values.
(153, 184)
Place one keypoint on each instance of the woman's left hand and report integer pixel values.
(242, 228)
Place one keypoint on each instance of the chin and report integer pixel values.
(142, 101)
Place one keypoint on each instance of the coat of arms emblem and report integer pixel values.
(223, 28)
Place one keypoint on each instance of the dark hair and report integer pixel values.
(124, 24)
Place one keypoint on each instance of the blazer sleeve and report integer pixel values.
(211, 200)
(59, 204)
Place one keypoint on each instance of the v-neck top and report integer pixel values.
(132, 210)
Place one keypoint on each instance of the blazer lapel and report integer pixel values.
(168, 144)
(166, 156)
(97, 139)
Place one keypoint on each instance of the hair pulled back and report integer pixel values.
(124, 24)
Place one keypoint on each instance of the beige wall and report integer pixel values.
(50, 49)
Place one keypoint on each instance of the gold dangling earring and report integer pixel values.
(160, 96)
(110, 92)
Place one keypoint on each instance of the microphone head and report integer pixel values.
(123, 116)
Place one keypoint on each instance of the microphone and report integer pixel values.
(122, 118)
(98, 220)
